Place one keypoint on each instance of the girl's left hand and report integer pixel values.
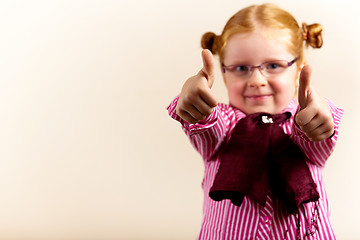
(314, 117)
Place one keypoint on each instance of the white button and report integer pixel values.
(266, 119)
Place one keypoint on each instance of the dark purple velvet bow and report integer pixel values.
(260, 157)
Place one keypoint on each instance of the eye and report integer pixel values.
(275, 66)
(272, 66)
(242, 68)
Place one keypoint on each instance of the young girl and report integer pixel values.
(262, 62)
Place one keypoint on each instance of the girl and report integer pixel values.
(263, 67)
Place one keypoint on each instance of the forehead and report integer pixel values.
(257, 47)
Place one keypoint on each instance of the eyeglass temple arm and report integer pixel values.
(293, 61)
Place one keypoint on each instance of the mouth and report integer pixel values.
(258, 97)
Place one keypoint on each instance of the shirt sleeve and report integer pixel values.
(318, 152)
(207, 135)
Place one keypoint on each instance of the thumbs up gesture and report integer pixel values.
(314, 117)
(196, 100)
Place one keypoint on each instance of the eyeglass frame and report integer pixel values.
(251, 67)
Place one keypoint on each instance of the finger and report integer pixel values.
(203, 107)
(208, 66)
(320, 133)
(209, 97)
(311, 126)
(192, 109)
(304, 86)
(187, 117)
(305, 115)
(196, 114)
(324, 136)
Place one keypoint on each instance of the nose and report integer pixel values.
(257, 79)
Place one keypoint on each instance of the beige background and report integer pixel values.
(87, 150)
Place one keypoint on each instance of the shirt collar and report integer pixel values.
(292, 107)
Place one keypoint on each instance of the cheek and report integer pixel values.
(285, 92)
(286, 85)
(235, 88)
(235, 92)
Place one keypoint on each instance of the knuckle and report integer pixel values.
(188, 99)
(180, 113)
(185, 101)
(188, 119)
(329, 127)
(194, 93)
(197, 115)
(205, 114)
(193, 121)
(178, 110)
(209, 111)
(203, 117)
(329, 117)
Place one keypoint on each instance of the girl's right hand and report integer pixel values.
(196, 100)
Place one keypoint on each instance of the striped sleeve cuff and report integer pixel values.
(189, 128)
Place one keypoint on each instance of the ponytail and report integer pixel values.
(312, 35)
(210, 41)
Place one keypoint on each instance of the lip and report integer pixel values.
(258, 97)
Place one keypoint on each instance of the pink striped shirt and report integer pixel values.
(223, 220)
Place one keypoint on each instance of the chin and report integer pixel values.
(251, 108)
(260, 109)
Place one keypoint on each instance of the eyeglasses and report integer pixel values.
(267, 69)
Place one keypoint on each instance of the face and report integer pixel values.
(257, 93)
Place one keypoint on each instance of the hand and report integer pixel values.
(196, 100)
(314, 117)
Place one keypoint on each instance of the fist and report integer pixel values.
(314, 118)
(196, 100)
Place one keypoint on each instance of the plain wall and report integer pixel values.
(87, 150)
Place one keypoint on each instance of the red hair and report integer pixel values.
(265, 16)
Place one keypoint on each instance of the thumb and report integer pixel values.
(304, 86)
(208, 66)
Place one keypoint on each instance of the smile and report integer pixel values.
(258, 97)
